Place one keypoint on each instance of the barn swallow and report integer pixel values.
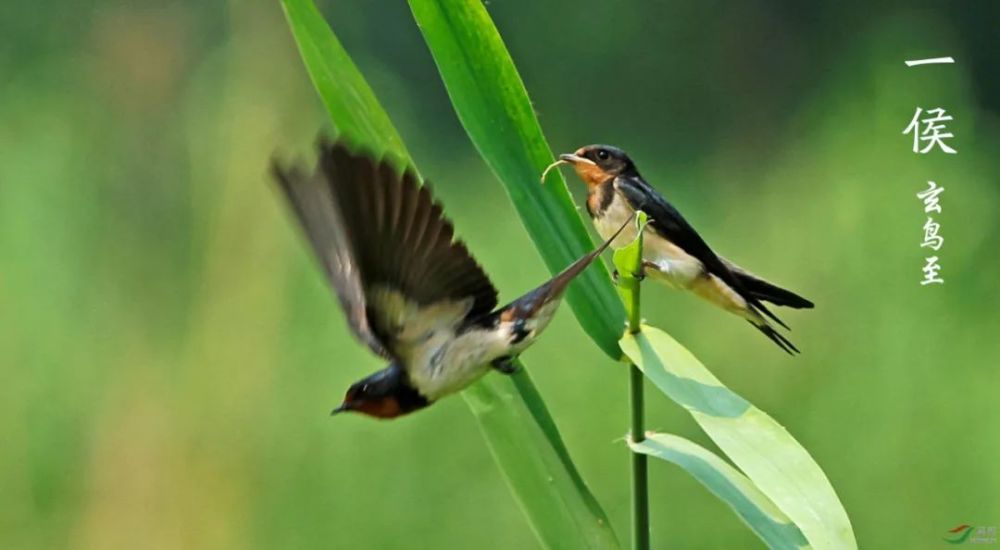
(410, 292)
(673, 252)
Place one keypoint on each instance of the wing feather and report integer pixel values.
(324, 226)
(385, 245)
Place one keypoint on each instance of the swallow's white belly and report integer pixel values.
(447, 363)
(674, 266)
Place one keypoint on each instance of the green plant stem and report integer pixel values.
(640, 482)
(629, 267)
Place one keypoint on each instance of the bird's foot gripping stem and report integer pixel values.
(637, 276)
(504, 364)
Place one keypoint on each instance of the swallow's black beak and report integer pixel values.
(344, 407)
(567, 158)
(575, 159)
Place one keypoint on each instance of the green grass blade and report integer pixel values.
(780, 467)
(493, 106)
(352, 104)
(531, 454)
(512, 416)
(750, 504)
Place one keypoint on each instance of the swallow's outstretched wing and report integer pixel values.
(668, 223)
(386, 247)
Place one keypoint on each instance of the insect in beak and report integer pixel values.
(566, 159)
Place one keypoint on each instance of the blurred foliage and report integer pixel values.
(170, 353)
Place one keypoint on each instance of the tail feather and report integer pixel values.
(756, 304)
(553, 289)
(563, 279)
(763, 290)
(775, 336)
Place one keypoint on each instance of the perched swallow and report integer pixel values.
(673, 252)
(409, 291)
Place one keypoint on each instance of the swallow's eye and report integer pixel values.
(602, 154)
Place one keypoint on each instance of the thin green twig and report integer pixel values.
(629, 264)
(640, 484)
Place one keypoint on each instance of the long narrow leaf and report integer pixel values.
(348, 98)
(750, 504)
(755, 442)
(512, 416)
(528, 448)
(492, 103)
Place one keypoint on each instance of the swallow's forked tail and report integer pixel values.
(762, 325)
(552, 290)
(562, 280)
(765, 291)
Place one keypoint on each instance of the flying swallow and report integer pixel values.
(673, 252)
(410, 292)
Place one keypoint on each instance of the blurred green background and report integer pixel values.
(170, 352)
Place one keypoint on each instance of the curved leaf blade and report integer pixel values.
(348, 98)
(755, 442)
(729, 485)
(493, 106)
(517, 426)
(528, 448)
